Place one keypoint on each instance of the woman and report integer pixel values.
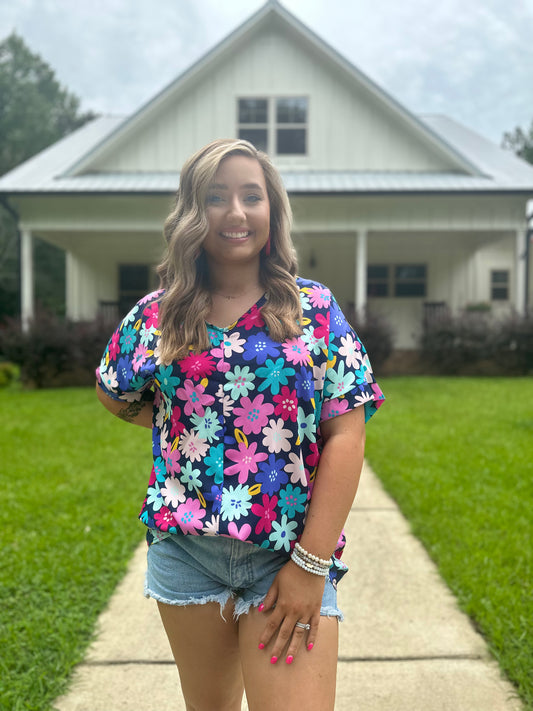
(256, 390)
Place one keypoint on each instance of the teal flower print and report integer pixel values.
(236, 502)
(306, 426)
(283, 533)
(240, 381)
(207, 425)
(338, 382)
(128, 339)
(190, 477)
(166, 381)
(274, 375)
(215, 463)
(292, 500)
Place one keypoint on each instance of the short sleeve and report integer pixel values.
(349, 380)
(128, 362)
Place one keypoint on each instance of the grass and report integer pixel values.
(457, 455)
(72, 479)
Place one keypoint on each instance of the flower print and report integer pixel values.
(193, 446)
(171, 457)
(304, 300)
(215, 495)
(154, 498)
(266, 512)
(296, 351)
(286, 404)
(283, 534)
(151, 315)
(146, 334)
(274, 375)
(319, 375)
(339, 382)
(337, 321)
(190, 476)
(315, 345)
(124, 373)
(246, 459)
(240, 381)
(296, 469)
(231, 343)
(320, 297)
(215, 336)
(252, 318)
(350, 350)
(252, 416)
(207, 425)
(139, 357)
(259, 347)
(334, 408)
(160, 469)
(305, 384)
(363, 398)
(378, 394)
(189, 516)
(177, 426)
(195, 397)
(198, 365)
(306, 426)
(114, 348)
(164, 519)
(128, 338)
(241, 533)
(161, 414)
(313, 457)
(276, 436)
(215, 463)
(166, 381)
(109, 378)
(211, 527)
(271, 475)
(292, 500)
(322, 331)
(235, 502)
(150, 297)
(173, 491)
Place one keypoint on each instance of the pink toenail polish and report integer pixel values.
(290, 659)
(261, 645)
(261, 607)
(273, 660)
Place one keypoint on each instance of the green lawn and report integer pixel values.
(457, 455)
(72, 479)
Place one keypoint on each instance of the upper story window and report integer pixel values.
(277, 125)
(499, 285)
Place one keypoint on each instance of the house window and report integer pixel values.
(133, 284)
(499, 285)
(277, 125)
(410, 280)
(377, 280)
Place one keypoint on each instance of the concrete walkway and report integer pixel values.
(404, 645)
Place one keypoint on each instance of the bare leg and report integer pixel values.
(206, 651)
(308, 683)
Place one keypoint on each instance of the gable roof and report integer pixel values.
(271, 12)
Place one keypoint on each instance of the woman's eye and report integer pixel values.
(213, 199)
(252, 199)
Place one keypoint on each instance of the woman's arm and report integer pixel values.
(138, 412)
(297, 594)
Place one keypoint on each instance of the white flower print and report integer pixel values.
(173, 491)
(350, 350)
(109, 378)
(319, 374)
(211, 527)
(296, 469)
(193, 446)
(231, 343)
(276, 436)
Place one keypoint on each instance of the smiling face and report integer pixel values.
(238, 211)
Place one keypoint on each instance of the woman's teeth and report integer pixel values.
(235, 235)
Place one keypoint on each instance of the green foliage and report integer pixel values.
(457, 455)
(73, 478)
(520, 142)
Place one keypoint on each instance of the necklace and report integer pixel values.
(230, 297)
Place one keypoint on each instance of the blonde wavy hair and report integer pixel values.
(184, 274)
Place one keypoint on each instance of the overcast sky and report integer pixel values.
(469, 59)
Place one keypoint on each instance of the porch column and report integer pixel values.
(521, 270)
(360, 271)
(26, 278)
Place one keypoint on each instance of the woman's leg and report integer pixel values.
(206, 651)
(308, 683)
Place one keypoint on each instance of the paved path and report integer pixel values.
(404, 646)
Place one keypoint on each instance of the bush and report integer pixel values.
(376, 334)
(9, 374)
(476, 343)
(54, 352)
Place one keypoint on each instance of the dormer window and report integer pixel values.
(277, 125)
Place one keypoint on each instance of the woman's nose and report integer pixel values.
(236, 209)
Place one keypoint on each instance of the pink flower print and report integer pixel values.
(320, 297)
(252, 318)
(114, 347)
(296, 352)
(322, 331)
(193, 446)
(189, 516)
(150, 297)
(266, 513)
(152, 479)
(286, 404)
(171, 458)
(164, 519)
(277, 437)
(246, 460)
(195, 398)
(151, 313)
(139, 357)
(242, 534)
(253, 414)
(313, 457)
(177, 426)
(334, 408)
(198, 365)
(378, 395)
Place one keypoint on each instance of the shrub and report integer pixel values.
(376, 334)
(9, 374)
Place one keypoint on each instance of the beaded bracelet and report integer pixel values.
(309, 562)
(323, 572)
(310, 556)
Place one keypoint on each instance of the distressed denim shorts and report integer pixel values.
(194, 570)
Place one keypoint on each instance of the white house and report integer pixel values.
(405, 215)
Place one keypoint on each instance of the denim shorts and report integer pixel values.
(194, 570)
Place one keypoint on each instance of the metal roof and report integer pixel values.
(501, 171)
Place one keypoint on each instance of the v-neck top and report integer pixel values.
(236, 429)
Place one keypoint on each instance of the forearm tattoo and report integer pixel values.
(132, 411)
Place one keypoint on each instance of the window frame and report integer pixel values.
(392, 281)
(504, 285)
(272, 126)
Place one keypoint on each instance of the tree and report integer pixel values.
(520, 143)
(35, 111)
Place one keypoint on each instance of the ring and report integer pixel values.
(303, 626)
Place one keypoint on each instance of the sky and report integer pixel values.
(471, 60)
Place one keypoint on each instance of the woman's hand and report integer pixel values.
(294, 596)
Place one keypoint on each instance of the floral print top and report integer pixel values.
(236, 429)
